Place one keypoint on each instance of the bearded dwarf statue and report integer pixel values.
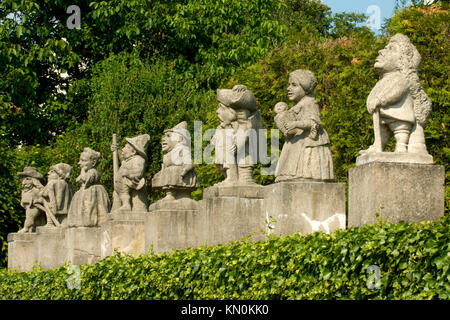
(398, 104)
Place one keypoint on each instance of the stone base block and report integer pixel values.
(396, 192)
(123, 231)
(83, 245)
(21, 247)
(305, 207)
(50, 249)
(231, 213)
(395, 157)
(167, 230)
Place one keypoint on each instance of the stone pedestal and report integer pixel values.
(21, 247)
(123, 231)
(83, 245)
(50, 249)
(171, 229)
(231, 213)
(305, 207)
(396, 192)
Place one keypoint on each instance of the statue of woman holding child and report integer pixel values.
(306, 153)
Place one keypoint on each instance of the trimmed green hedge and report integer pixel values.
(414, 261)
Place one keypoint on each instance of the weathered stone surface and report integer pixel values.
(21, 248)
(397, 157)
(83, 245)
(124, 231)
(227, 218)
(240, 191)
(130, 193)
(50, 249)
(398, 104)
(167, 230)
(306, 153)
(397, 191)
(305, 207)
(90, 205)
(179, 204)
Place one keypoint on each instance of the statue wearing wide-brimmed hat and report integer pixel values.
(32, 183)
(129, 183)
(236, 138)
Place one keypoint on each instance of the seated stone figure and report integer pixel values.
(398, 104)
(90, 205)
(57, 194)
(129, 181)
(177, 176)
(31, 198)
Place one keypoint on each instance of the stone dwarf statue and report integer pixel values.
(90, 205)
(236, 138)
(306, 153)
(31, 201)
(398, 104)
(130, 193)
(57, 194)
(177, 176)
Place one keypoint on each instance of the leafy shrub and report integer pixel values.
(414, 260)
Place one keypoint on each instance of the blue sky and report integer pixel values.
(386, 7)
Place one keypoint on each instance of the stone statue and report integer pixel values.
(90, 205)
(57, 194)
(398, 104)
(129, 183)
(177, 176)
(31, 198)
(236, 138)
(306, 154)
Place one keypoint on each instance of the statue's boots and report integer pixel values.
(246, 176)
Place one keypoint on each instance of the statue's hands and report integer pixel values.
(291, 125)
(373, 104)
(231, 148)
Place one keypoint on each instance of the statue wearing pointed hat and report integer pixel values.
(129, 182)
(177, 176)
(32, 184)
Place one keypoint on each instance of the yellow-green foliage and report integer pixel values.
(414, 261)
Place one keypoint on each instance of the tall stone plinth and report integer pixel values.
(50, 249)
(231, 213)
(83, 245)
(124, 232)
(305, 207)
(21, 247)
(396, 192)
(172, 225)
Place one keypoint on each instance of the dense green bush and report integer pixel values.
(414, 262)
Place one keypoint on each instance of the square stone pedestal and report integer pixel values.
(231, 213)
(123, 231)
(396, 192)
(83, 245)
(171, 229)
(21, 251)
(50, 249)
(305, 207)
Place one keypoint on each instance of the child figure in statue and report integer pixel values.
(177, 176)
(31, 199)
(90, 204)
(57, 194)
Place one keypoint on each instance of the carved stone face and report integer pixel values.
(27, 183)
(225, 114)
(169, 141)
(387, 58)
(86, 162)
(128, 151)
(53, 175)
(295, 90)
